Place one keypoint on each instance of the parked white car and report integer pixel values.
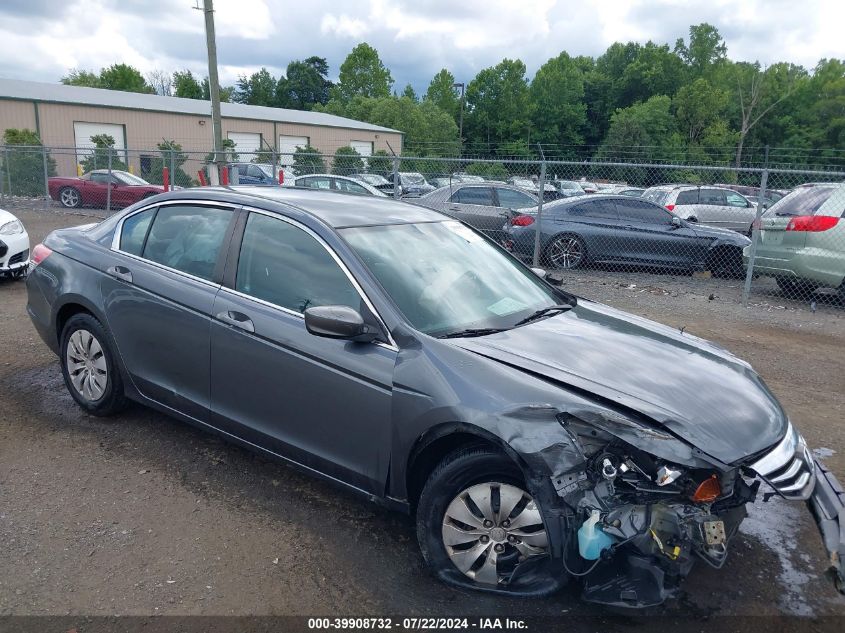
(14, 246)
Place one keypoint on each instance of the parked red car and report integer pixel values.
(91, 189)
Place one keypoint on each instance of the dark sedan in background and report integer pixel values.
(619, 229)
(531, 433)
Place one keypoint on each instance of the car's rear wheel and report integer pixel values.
(70, 197)
(88, 366)
(476, 522)
(566, 252)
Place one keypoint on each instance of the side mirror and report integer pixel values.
(338, 322)
(676, 222)
(539, 272)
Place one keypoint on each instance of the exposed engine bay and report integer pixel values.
(635, 523)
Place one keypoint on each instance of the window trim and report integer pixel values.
(118, 234)
(233, 259)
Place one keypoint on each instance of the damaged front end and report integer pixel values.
(634, 521)
(638, 506)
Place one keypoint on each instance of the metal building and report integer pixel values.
(67, 117)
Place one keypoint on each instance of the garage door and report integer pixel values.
(83, 132)
(365, 148)
(247, 144)
(288, 145)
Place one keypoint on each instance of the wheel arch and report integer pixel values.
(438, 442)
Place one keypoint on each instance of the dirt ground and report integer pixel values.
(142, 515)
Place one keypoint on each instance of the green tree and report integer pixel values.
(154, 173)
(380, 163)
(307, 160)
(498, 104)
(363, 74)
(697, 106)
(427, 128)
(226, 92)
(304, 84)
(23, 164)
(557, 97)
(491, 171)
(187, 86)
(257, 89)
(124, 77)
(442, 93)
(646, 126)
(80, 77)
(347, 160)
(98, 158)
(410, 93)
(706, 48)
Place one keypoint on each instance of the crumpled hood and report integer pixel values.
(693, 388)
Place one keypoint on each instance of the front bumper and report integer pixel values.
(14, 252)
(827, 505)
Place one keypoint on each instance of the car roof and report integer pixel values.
(335, 208)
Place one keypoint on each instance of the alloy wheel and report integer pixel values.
(86, 365)
(489, 523)
(566, 252)
(70, 197)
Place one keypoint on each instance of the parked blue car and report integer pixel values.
(253, 174)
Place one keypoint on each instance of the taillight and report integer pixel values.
(708, 490)
(670, 207)
(39, 254)
(812, 223)
(522, 220)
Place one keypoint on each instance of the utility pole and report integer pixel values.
(213, 81)
(463, 87)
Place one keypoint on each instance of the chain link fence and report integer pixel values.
(745, 233)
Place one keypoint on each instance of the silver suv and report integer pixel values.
(714, 206)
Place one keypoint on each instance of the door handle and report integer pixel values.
(237, 319)
(121, 272)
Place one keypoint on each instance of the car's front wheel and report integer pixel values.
(88, 366)
(70, 197)
(476, 523)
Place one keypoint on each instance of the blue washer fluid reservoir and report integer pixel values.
(592, 540)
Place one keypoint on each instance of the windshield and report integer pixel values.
(445, 278)
(801, 201)
(267, 170)
(414, 179)
(524, 182)
(129, 179)
(565, 184)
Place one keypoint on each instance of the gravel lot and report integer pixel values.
(142, 515)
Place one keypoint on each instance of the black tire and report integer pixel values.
(112, 399)
(455, 474)
(70, 197)
(566, 242)
(725, 262)
(796, 288)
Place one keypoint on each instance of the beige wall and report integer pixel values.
(16, 114)
(144, 129)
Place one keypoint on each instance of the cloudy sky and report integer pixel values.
(415, 38)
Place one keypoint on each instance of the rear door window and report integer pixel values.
(642, 212)
(134, 232)
(350, 187)
(687, 197)
(511, 199)
(598, 209)
(482, 196)
(188, 238)
(712, 196)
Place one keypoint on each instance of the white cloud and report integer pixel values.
(415, 38)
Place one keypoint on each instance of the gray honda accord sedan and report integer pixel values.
(534, 436)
